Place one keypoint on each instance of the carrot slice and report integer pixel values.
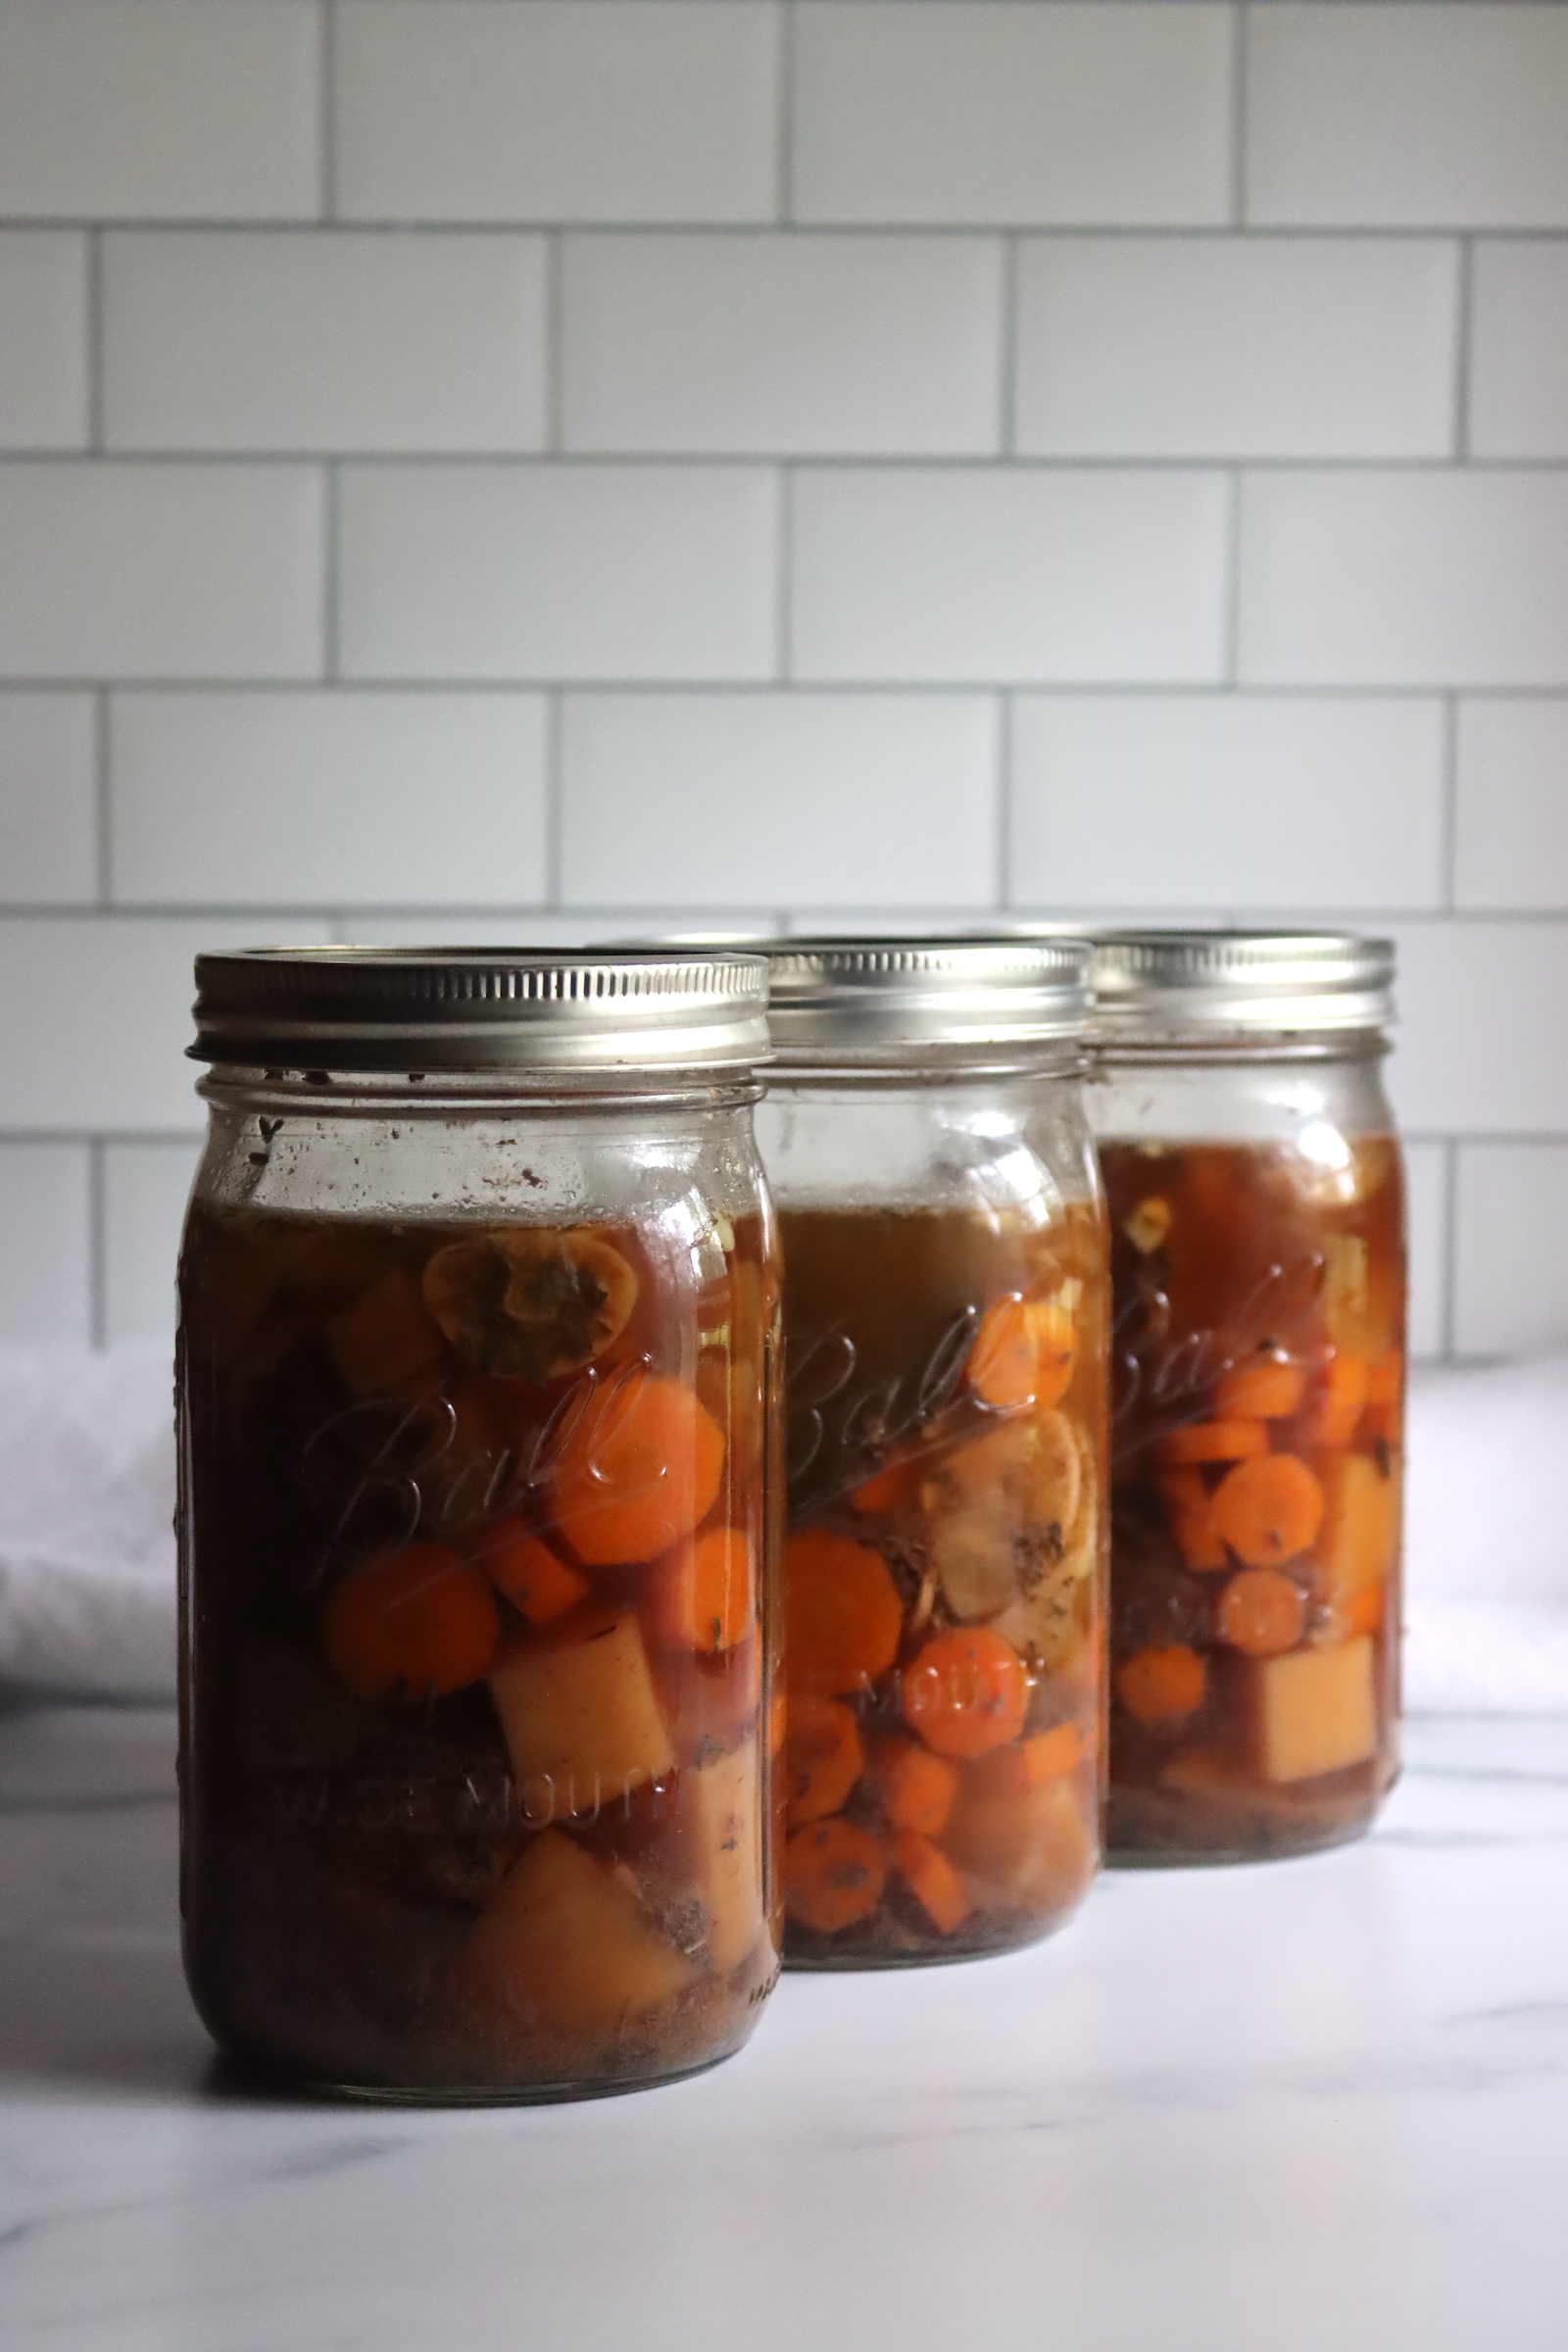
(1270, 1390)
(885, 1491)
(409, 1625)
(1189, 1508)
(778, 1718)
(966, 1692)
(1364, 1610)
(931, 1878)
(1050, 1754)
(1162, 1687)
(1210, 1441)
(822, 1758)
(1337, 1406)
(703, 1598)
(842, 1611)
(1385, 1380)
(1023, 1353)
(639, 1468)
(533, 1578)
(1269, 1510)
(918, 1787)
(1262, 1613)
(833, 1874)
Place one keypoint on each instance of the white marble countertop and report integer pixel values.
(1309, 2107)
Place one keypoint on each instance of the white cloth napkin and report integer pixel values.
(88, 1552)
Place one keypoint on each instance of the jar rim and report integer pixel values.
(1166, 985)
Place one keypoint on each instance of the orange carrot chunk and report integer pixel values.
(892, 1489)
(1269, 1510)
(931, 1878)
(1159, 1687)
(1262, 1613)
(639, 1468)
(918, 1787)
(842, 1613)
(535, 1580)
(1336, 1405)
(1266, 1389)
(1189, 1508)
(1385, 1380)
(1210, 1441)
(822, 1758)
(704, 1596)
(409, 1625)
(833, 1874)
(1364, 1610)
(1051, 1754)
(1023, 1353)
(966, 1692)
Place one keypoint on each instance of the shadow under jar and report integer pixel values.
(945, 1306)
(477, 1392)
(1258, 1251)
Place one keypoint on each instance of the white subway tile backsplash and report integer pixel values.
(951, 111)
(861, 345)
(1477, 1043)
(1512, 1259)
(327, 799)
(1511, 818)
(980, 574)
(162, 109)
(43, 338)
(506, 926)
(302, 340)
(778, 800)
(1519, 348)
(157, 570)
(1240, 347)
(574, 571)
(1166, 801)
(48, 815)
(102, 1016)
(1407, 577)
(146, 1187)
(45, 1245)
(1386, 115)
(1426, 1190)
(620, 110)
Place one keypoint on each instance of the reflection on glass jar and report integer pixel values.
(946, 1311)
(1258, 1223)
(476, 1378)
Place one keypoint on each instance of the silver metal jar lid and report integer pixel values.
(859, 998)
(479, 1008)
(1163, 986)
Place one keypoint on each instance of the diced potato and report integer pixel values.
(385, 1339)
(1360, 1533)
(565, 1944)
(1314, 1711)
(727, 1818)
(582, 1720)
(1030, 1843)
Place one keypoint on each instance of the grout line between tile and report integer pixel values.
(327, 121)
(103, 835)
(1241, 27)
(1462, 384)
(97, 1243)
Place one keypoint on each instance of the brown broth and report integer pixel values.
(973, 1520)
(1259, 1313)
(395, 1876)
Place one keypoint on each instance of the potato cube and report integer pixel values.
(1315, 1711)
(1030, 1843)
(565, 1944)
(582, 1720)
(1360, 1535)
(727, 1816)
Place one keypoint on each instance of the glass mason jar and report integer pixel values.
(477, 1397)
(946, 1309)
(1257, 1231)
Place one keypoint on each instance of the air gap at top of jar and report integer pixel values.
(1257, 1228)
(479, 1326)
(945, 1306)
